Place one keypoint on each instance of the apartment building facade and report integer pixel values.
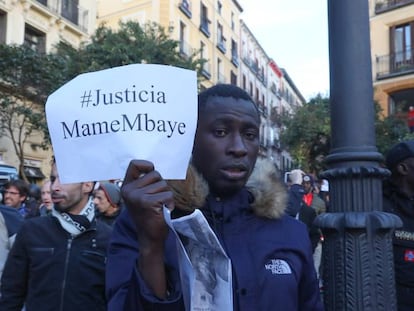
(214, 30)
(205, 27)
(273, 91)
(41, 24)
(253, 79)
(392, 51)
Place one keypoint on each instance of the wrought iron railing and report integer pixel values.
(72, 12)
(185, 48)
(386, 5)
(221, 78)
(395, 64)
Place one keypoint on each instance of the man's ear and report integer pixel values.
(402, 168)
(87, 187)
(23, 198)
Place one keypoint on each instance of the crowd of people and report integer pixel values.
(98, 246)
(57, 259)
(308, 197)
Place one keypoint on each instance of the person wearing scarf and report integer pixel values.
(58, 262)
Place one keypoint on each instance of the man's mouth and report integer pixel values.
(57, 199)
(235, 172)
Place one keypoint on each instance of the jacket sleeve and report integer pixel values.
(125, 288)
(15, 276)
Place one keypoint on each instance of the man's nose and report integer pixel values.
(238, 145)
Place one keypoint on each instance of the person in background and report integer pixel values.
(58, 262)
(243, 202)
(10, 223)
(46, 205)
(398, 198)
(15, 193)
(324, 192)
(295, 192)
(317, 206)
(410, 120)
(33, 201)
(107, 199)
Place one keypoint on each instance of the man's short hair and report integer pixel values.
(224, 90)
(398, 153)
(20, 185)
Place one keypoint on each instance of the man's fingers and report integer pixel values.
(136, 168)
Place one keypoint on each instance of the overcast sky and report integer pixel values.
(295, 35)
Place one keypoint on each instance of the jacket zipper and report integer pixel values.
(68, 248)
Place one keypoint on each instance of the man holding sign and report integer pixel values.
(243, 202)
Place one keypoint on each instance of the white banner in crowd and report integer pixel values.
(99, 121)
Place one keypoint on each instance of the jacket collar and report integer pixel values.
(268, 192)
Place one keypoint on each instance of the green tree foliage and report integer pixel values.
(306, 133)
(389, 130)
(130, 44)
(26, 79)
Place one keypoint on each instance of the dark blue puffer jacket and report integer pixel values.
(256, 245)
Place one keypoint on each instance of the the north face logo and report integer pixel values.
(409, 255)
(278, 266)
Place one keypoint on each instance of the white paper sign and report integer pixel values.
(99, 121)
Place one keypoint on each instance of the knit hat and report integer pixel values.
(399, 152)
(112, 192)
(308, 178)
(296, 176)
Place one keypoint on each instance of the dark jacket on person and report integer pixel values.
(10, 223)
(49, 269)
(254, 233)
(394, 201)
(109, 220)
(12, 219)
(295, 199)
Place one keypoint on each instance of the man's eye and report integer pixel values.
(250, 135)
(220, 132)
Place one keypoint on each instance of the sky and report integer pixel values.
(295, 35)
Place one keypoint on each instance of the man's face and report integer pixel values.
(227, 143)
(70, 198)
(409, 176)
(45, 195)
(101, 202)
(307, 186)
(13, 198)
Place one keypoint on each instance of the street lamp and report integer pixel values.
(358, 269)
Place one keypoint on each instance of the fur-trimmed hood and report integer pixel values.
(269, 193)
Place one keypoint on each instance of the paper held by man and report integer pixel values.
(100, 121)
(205, 269)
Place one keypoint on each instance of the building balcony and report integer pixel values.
(396, 64)
(206, 71)
(72, 12)
(185, 7)
(185, 49)
(222, 47)
(204, 29)
(235, 59)
(382, 6)
(221, 78)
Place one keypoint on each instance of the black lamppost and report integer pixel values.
(357, 255)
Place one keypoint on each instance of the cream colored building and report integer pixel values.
(41, 24)
(253, 79)
(392, 50)
(205, 26)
